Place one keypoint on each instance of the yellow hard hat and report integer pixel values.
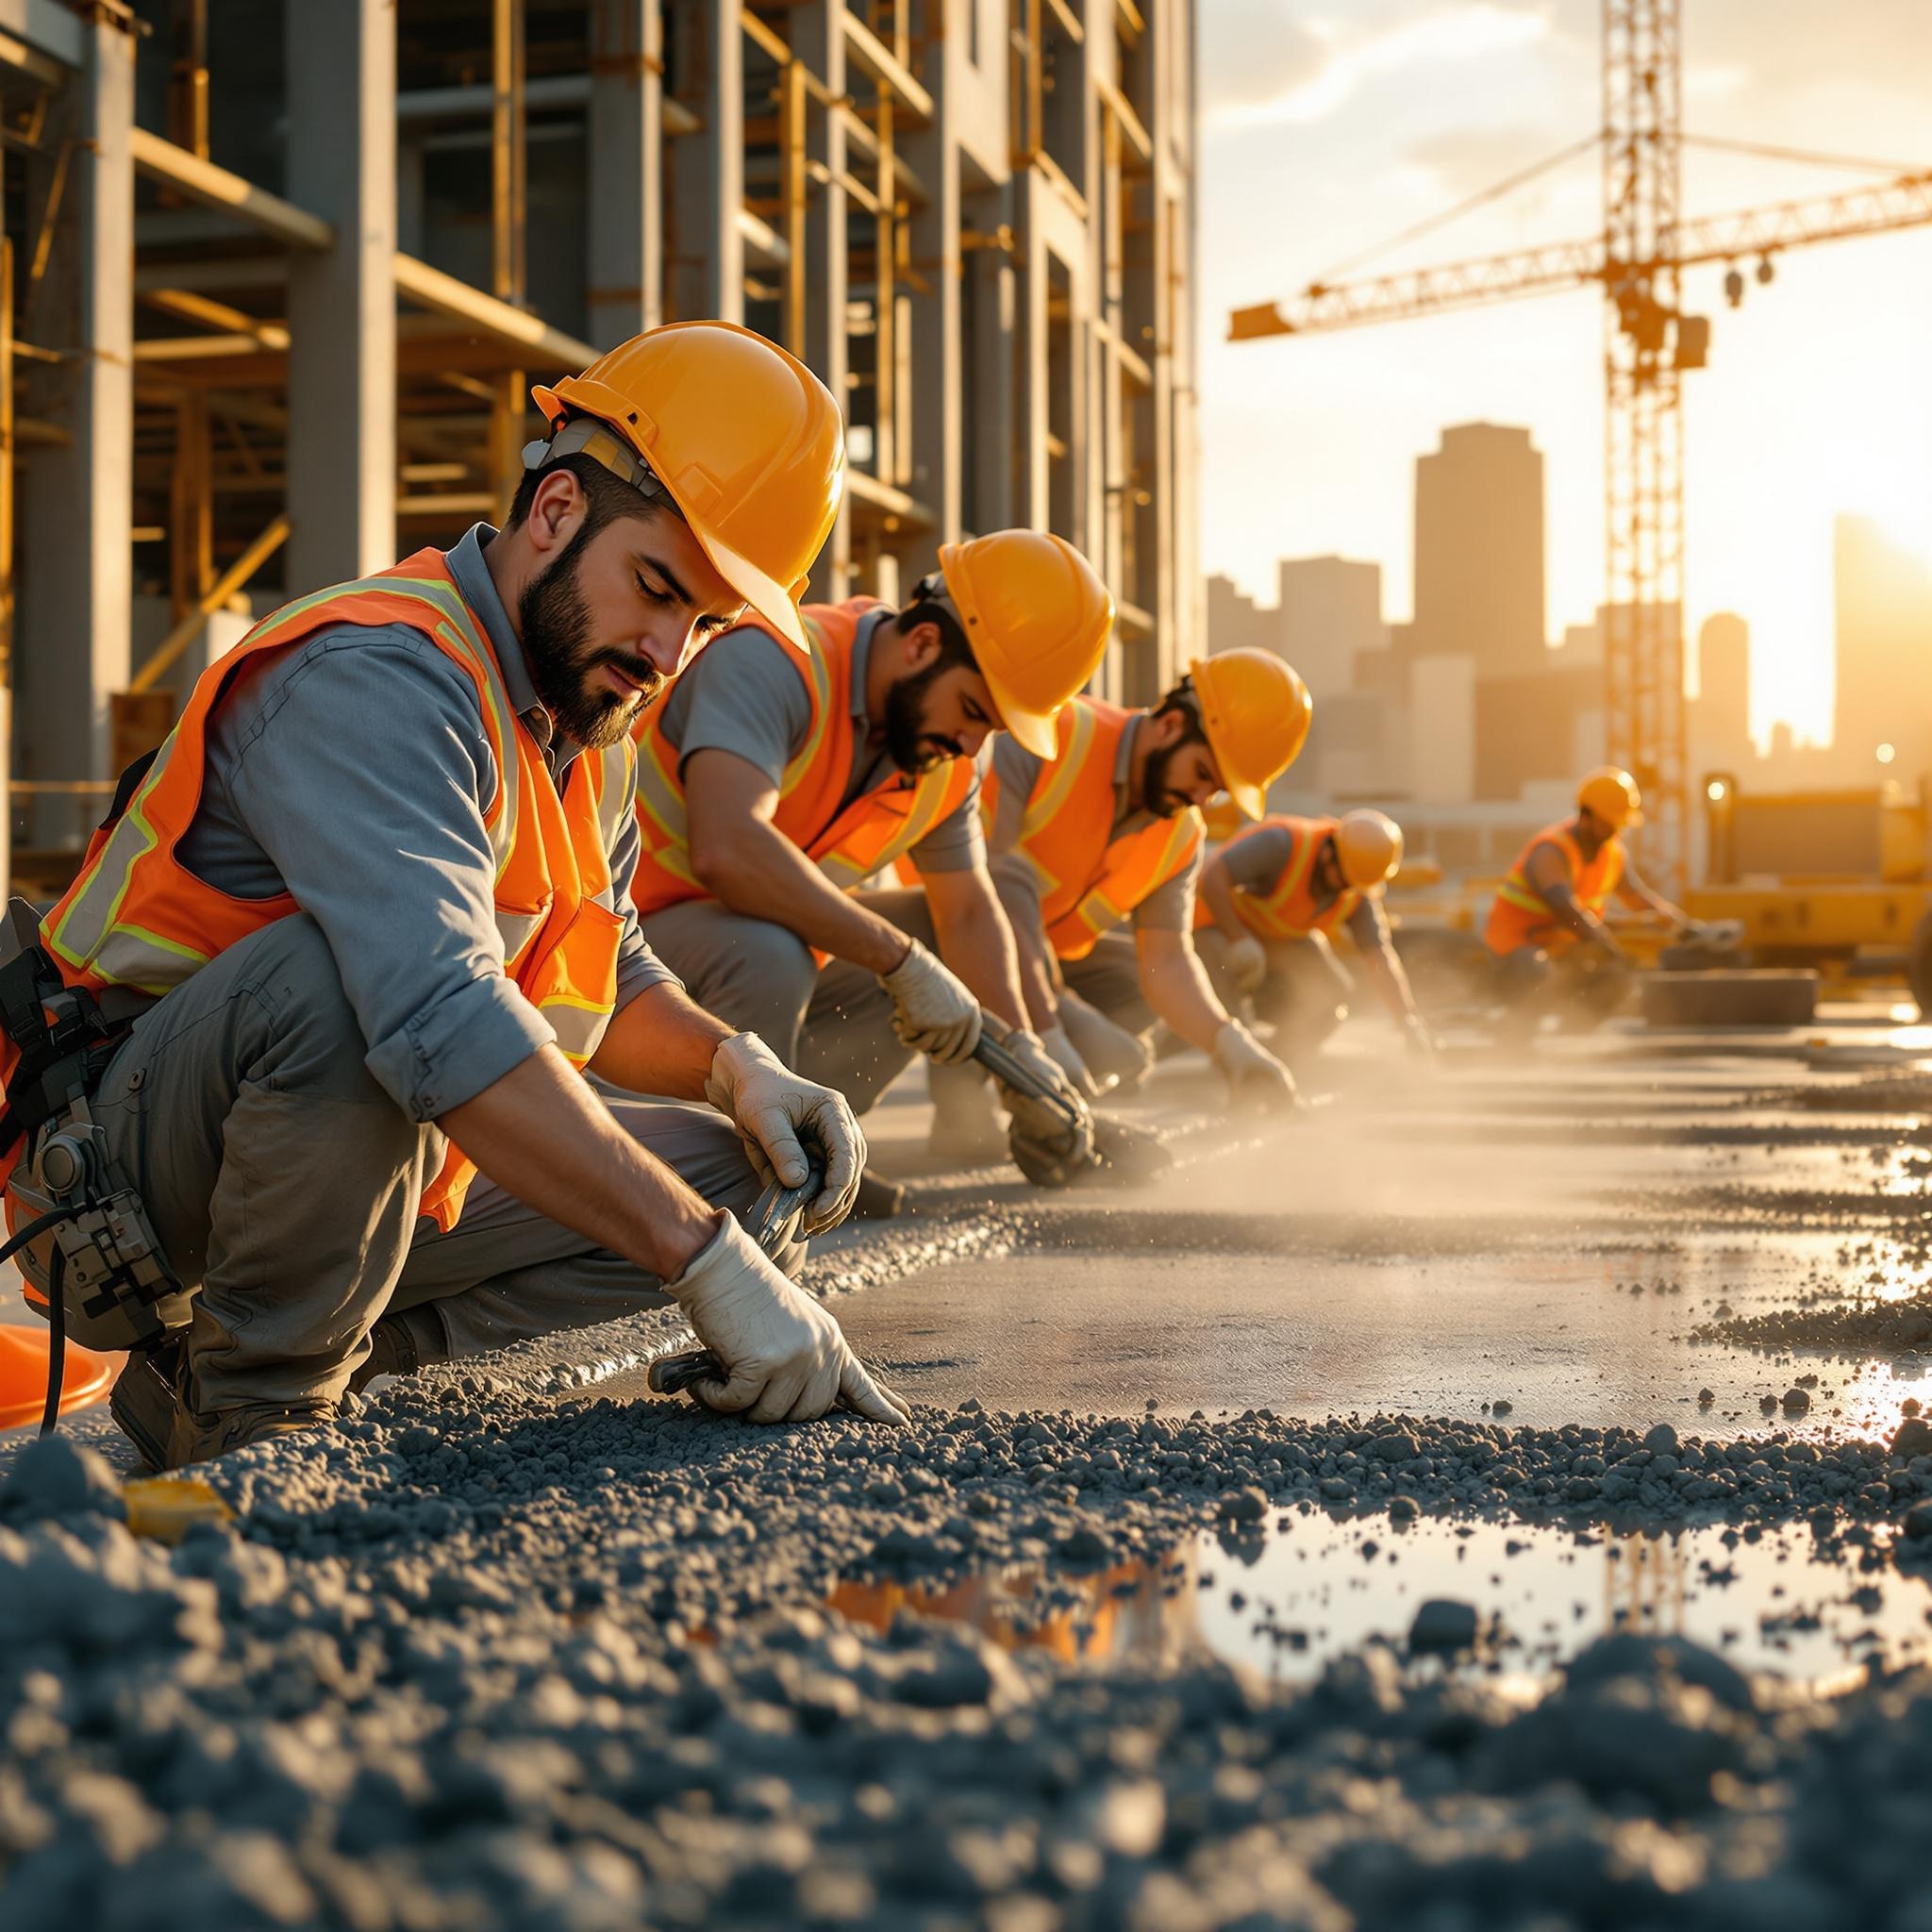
(1255, 711)
(1369, 845)
(744, 439)
(1611, 792)
(1038, 618)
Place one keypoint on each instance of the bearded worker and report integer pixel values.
(772, 788)
(1272, 900)
(1109, 831)
(369, 911)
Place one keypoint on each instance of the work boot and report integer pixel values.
(397, 1347)
(877, 1199)
(150, 1402)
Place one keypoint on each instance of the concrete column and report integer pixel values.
(73, 639)
(936, 469)
(818, 39)
(627, 154)
(706, 263)
(341, 461)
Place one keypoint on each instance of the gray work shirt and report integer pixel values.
(1170, 907)
(744, 694)
(353, 771)
(1257, 860)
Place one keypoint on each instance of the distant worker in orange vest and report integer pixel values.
(340, 949)
(772, 788)
(1546, 927)
(1272, 900)
(1108, 832)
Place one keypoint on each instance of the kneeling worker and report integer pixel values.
(1109, 830)
(1271, 898)
(349, 937)
(1546, 928)
(771, 788)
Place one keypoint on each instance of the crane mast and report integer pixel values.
(1648, 342)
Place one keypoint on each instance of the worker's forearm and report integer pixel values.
(1217, 892)
(976, 943)
(1383, 966)
(760, 872)
(662, 1042)
(542, 1135)
(1177, 989)
(1035, 955)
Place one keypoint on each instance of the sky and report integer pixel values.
(1330, 125)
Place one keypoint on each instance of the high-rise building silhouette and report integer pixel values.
(1883, 603)
(1720, 720)
(1479, 551)
(1331, 617)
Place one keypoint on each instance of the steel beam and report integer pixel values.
(342, 81)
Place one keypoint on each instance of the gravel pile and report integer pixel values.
(564, 1669)
(1844, 1327)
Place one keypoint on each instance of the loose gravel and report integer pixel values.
(495, 1663)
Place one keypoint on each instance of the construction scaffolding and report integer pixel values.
(277, 276)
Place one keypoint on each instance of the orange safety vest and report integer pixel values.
(1520, 915)
(136, 917)
(1090, 880)
(847, 843)
(1287, 910)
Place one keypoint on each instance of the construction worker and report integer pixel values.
(771, 788)
(1546, 928)
(368, 912)
(1109, 830)
(1272, 898)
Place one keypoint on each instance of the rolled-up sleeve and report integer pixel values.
(361, 767)
(1170, 907)
(955, 844)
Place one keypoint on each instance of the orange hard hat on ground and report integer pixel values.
(1369, 847)
(84, 1378)
(1611, 793)
(1255, 711)
(1038, 618)
(743, 439)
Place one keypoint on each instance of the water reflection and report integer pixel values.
(1315, 1588)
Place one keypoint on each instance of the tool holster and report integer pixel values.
(104, 1259)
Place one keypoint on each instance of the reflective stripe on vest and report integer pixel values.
(1287, 910)
(847, 843)
(136, 917)
(1521, 916)
(1090, 880)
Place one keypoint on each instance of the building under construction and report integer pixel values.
(277, 274)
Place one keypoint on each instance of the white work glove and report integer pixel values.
(1247, 963)
(1066, 1055)
(1036, 1123)
(932, 1011)
(786, 1359)
(783, 1120)
(1250, 1070)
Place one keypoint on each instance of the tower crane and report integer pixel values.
(1650, 342)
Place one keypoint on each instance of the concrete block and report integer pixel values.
(1768, 997)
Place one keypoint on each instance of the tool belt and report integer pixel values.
(100, 1258)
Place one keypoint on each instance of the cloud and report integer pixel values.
(1461, 162)
(1300, 68)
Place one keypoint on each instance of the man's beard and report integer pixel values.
(556, 650)
(1160, 801)
(909, 744)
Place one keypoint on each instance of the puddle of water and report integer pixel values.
(1309, 1592)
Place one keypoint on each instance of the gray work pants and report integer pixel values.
(281, 1177)
(833, 1025)
(1303, 997)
